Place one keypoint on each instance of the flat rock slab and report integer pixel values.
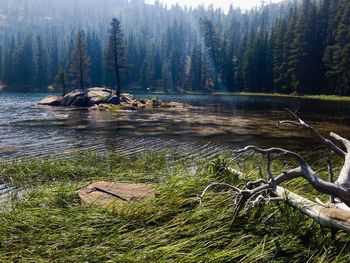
(51, 101)
(107, 193)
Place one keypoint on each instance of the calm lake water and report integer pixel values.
(215, 124)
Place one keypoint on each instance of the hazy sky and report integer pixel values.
(218, 3)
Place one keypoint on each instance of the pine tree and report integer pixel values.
(80, 61)
(95, 53)
(25, 75)
(40, 63)
(303, 62)
(195, 71)
(53, 61)
(277, 38)
(337, 57)
(115, 52)
(61, 81)
(286, 71)
(211, 43)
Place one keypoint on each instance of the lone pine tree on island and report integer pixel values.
(61, 81)
(115, 52)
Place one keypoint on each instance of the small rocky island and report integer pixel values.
(104, 99)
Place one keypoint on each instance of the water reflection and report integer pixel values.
(213, 125)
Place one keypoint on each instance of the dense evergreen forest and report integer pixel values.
(300, 47)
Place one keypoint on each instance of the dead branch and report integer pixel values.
(299, 122)
(335, 214)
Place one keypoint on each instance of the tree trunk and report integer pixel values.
(117, 75)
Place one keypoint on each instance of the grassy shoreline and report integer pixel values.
(51, 225)
(247, 94)
(313, 97)
(252, 94)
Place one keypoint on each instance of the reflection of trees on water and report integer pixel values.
(221, 121)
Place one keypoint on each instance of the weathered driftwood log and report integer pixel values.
(330, 215)
(336, 214)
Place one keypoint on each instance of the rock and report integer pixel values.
(106, 100)
(126, 97)
(174, 105)
(7, 149)
(81, 101)
(75, 98)
(98, 95)
(113, 100)
(105, 107)
(94, 108)
(156, 103)
(51, 101)
(109, 193)
(128, 107)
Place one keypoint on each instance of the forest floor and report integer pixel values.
(51, 225)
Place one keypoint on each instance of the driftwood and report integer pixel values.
(331, 215)
(335, 214)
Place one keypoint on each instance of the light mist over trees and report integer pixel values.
(300, 47)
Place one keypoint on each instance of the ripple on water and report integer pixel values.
(216, 124)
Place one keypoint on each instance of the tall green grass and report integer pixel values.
(51, 225)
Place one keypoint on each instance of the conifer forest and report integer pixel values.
(293, 47)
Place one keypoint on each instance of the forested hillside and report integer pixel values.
(300, 47)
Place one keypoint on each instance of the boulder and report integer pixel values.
(7, 149)
(80, 101)
(98, 95)
(126, 97)
(51, 101)
(109, 193)
(154, 103)
(75, 98)
(113, 100)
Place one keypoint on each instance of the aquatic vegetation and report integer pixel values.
(50, 224)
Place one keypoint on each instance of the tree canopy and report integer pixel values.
(299, 47)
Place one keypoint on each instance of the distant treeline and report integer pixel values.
(300, 47)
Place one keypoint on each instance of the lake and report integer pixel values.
(213, 125)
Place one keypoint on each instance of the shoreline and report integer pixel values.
(321, 97)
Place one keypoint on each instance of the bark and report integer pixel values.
(330, 215)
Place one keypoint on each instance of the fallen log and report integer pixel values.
(329, 215)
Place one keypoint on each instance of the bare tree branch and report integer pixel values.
(299, 122)
(335, 214)
(339, 189)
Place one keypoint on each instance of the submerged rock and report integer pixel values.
(176, 105)
(108, 193)
(7, 149)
